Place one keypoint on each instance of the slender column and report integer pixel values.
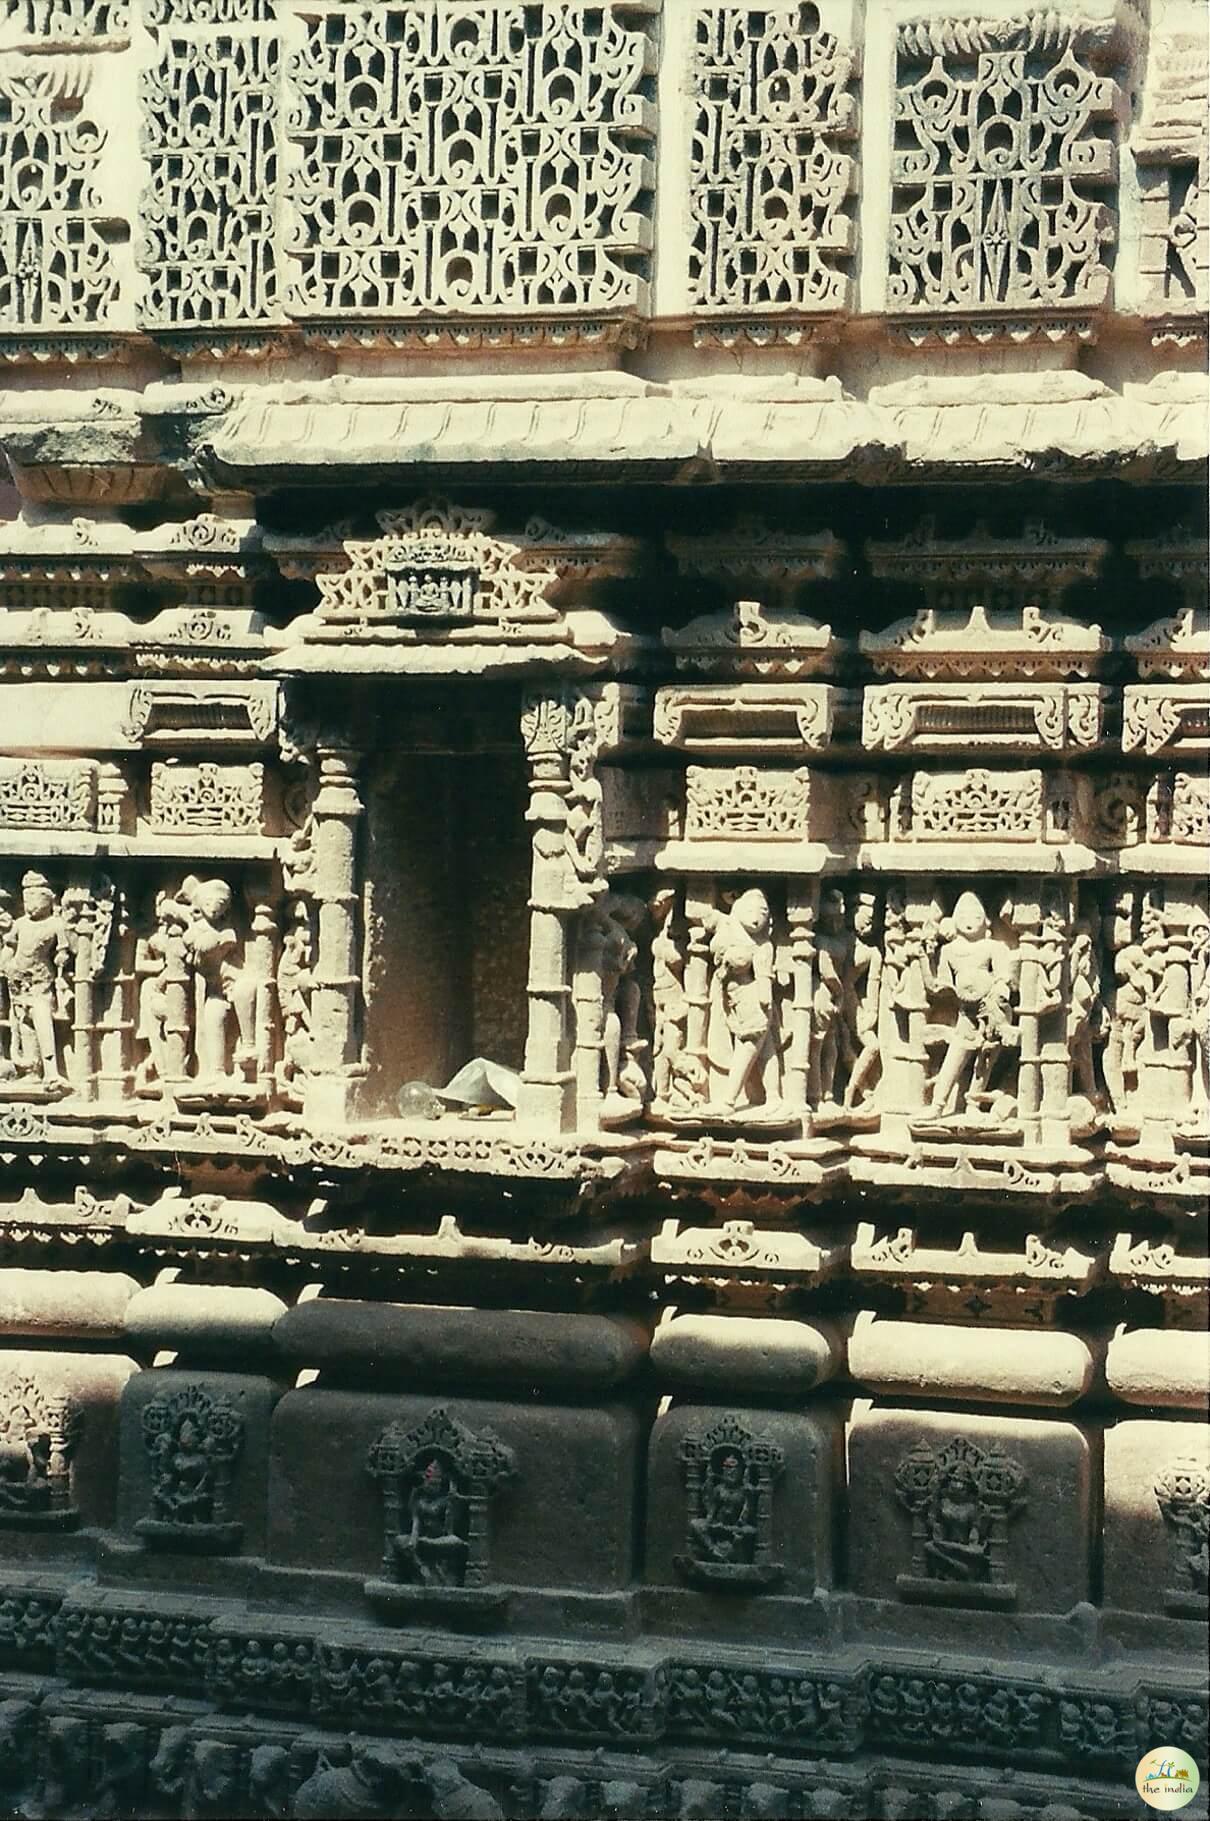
(547, 1096)
(335, 1002)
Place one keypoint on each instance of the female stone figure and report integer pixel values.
(978, 969)
(743, 955)
(164, 1022)
(432, 1551)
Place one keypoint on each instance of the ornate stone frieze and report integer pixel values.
(57, 269)
(744, 802)
(1004, 165)
(1014, 717)
(193, 1438)
(473, 160)
(985, 1282)
(438, 1480)
(770, 172)
(743, 717)
(211, 120)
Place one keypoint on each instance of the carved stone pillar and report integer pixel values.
(335, 1042)
(547, 1085)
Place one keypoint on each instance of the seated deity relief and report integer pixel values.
(193, 1441)
(961, 1498)
(729, 1479)
(438, 1480)
(38, 1434)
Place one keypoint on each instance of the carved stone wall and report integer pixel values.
(604, 939)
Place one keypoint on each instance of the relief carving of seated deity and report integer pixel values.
(433, 1551)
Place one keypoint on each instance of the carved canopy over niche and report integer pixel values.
(437, 575)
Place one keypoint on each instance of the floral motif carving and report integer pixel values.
(961, 1498)
(207, 797)
(745, 802)
(38, 1434)
(438, 1479)
(977, 804)
(1003, 165)
(729, 1479)
(48, 793)
(471, 159)
(769, 179)
(193, 1438)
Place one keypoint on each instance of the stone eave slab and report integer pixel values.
(695, 439)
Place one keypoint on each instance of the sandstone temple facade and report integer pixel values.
(604, 944)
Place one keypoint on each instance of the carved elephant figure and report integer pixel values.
(454, 1797)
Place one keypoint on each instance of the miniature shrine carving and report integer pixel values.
(1183, 1494)
(961, 1498)
(729, 1479)
(438, 1480)
(38, 1435)
(193, 1439)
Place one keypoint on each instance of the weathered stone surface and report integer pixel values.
(1149, 1366)
(81, 1305)
(745, 1354)
(510, 1346)
(927, 1359)
(201, 1322)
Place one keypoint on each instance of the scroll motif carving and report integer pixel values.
(193, 1439)
(729, 1480)
(769, 179)
(961, 1498)
(1003, 164)
(1183, 1494)
(38, 1434)
(438, 1480)
(471, 159)
(56, 270)
(977, 804)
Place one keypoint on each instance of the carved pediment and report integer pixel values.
(438, 574)
(751, 640)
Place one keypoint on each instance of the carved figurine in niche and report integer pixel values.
(729, 1480)
(961, 1498)
(38, 1433)
(1085, 1013)
(625, 1078)
(35, 957)
(864, 990)
(210, 943)
(678, 1079)
(295, 984)
(1183, 1494)
(969, 965)
(438, 1480)
(193, 1439)
(742, 989)
(162, 961)
(1128, 1022)
(831, 1037)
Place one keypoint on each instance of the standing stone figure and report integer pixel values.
(1128, 1023)
(35, 960)
(164, 1022)
(864, 990)
(978, 969)
(742, 951)
(831, 1039)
